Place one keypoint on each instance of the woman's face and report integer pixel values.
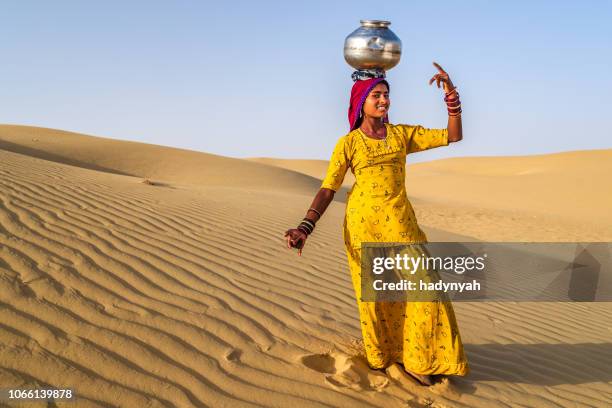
(377, 103)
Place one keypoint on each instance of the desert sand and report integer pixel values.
(147, 276)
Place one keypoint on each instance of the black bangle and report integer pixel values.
(308, 224)
(309, 221)
(305, 230)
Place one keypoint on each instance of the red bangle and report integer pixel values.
(448, 95)
(451, 100)
(451, 91)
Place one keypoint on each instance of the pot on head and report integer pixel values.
(372, 46)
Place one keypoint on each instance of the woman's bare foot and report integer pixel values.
(426, 380)
(423, 379)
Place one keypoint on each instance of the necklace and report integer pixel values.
(362, 134)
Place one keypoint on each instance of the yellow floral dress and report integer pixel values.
(423, 336)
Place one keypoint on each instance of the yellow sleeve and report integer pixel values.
(419, 138)
(338, 165)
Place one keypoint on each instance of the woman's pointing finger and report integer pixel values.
(438, 66)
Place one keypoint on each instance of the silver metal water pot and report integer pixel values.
(372, 46)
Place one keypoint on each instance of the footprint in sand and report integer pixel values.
(344, 371)
(233, 355)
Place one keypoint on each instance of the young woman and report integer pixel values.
(422, 336)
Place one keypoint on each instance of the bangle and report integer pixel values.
(453, 104)
(317, 212)
(451, 91)
(309, 222)
(306, 226)
(304, 230)
(447, 99)
(451, 100)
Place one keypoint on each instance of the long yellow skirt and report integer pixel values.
(423, 336)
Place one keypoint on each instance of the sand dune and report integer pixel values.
(178, 166)
(182, 293)
(313, 168)
(553, 197)
(567, 185)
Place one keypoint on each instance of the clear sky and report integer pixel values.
(253, 78)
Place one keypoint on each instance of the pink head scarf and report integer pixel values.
(359, 92)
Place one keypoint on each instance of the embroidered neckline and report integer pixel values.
(389, 141)
(372, 138)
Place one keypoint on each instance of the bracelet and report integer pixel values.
(456, 96)
(451, 92)
(309, 222)
(304, 230)
(317, 212)
(451, 100)
(453, 105)
(306, 226)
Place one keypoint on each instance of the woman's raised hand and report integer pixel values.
(296, 239)
(442, 76)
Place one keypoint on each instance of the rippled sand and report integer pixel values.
(145, 276)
